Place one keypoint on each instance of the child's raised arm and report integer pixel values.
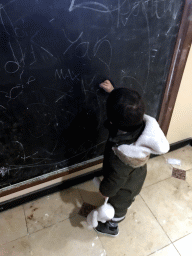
(107, 86)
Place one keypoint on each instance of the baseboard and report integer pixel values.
(48, 190)
(181, 144)
(69, 183)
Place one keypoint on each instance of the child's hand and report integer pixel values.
(107, 86)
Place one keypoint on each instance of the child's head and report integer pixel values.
(125, 108)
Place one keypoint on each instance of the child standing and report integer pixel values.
(133, 136)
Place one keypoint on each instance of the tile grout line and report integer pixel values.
(93, 230)
(182, 237)
(101, 242)
(156, 218)
(157, 182)
(176, 249)
(80, 194)
(159, 250)
(25, 219)
(29, 234)
(15, 240)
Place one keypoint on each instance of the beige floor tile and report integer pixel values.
(50, 209)
(69, 238)
(140, 234)
(19, 247)
(171, 202)
(167, 251)
(184, 154)
(90, 193)
(157, 170)
(12, 225)
(184, 245)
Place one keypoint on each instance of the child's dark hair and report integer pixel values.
(125, 108)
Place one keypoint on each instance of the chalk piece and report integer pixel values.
(179, 174)
(174, 161)
(86, 209)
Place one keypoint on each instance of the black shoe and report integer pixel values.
(109, 228)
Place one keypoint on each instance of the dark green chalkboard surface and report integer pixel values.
(54, 54)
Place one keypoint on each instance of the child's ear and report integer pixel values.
(95, 219)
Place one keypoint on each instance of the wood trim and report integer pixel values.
(16, 201)
(48, 190)
(50, 178)
(180, 144)
(179, 60)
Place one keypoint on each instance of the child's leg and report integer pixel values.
(122, 201)
(125, 196)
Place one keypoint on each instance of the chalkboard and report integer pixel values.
(54, 54)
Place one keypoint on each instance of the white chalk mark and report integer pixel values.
(34, 35)
(173, 69)
(10, 93)
(64, 93)
(107, 64)
(33, 55)
(72, 42)
(118, 13)
(86, 52)
(4, 171)
(31, 79)
(21, 147)
(91, 81)
(61, 162)
(149, 42)
(94, 6)
(48, 52)
(21, 36)
(22, 59)
(6, 68)
(156, 10)
(2, 8)
(168, 31)
(52, 20)
(82, 82)
(15, 62)
(172, 6)
(69, 74)
(154, 52)
(21, 74)
(60, 98)
(96, 45)
(132, 78)
(70, 113)
(29, 156)
(127, 18)
(13, 53)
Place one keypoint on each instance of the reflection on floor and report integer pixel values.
(159, 222)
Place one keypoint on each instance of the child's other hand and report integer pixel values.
(107, 86)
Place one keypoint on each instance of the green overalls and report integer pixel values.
(121, 182)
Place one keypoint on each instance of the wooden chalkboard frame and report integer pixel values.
(179, 59)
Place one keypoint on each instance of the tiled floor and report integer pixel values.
(159, 223)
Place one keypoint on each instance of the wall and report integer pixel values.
(181, 122)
